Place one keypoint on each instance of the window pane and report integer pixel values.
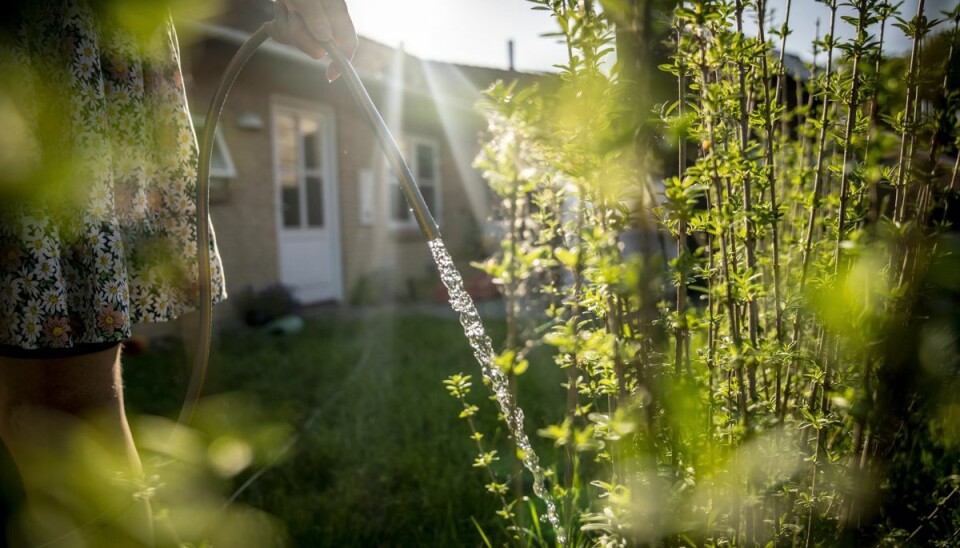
(425, 161)
(310, 130)
(291, 199)
(287, 141)
(218, 160)
(401, 211)
(430, 197)
(314, 201)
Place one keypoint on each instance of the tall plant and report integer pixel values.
(741, 289)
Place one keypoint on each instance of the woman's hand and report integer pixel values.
(306, 24)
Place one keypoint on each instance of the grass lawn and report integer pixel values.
(385, 460)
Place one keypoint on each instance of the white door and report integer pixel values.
(308, 222)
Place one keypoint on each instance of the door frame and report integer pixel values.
(284, 103)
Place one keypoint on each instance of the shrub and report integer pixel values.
(775, 359)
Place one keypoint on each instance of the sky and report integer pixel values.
(475, 32)
(472, 32)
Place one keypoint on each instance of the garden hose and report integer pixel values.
(370, 113)
(205, 304)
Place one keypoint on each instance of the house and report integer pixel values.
(301, 194)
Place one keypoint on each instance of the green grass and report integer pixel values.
(386, 461)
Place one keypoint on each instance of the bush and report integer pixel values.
(776, 360)
(258, 308)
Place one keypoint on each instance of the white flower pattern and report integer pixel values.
(122, 250)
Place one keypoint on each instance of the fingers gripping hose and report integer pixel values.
(407, 183)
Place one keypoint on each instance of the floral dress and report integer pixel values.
(97, 178)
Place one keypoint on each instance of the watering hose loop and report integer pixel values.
(205, 304)
(394, 156)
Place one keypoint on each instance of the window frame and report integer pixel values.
(327, 173)
(218, 191)
(408, 145)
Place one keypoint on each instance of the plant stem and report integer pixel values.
(953, 176)
(681, 231)
(906, 137)
(772, 181)
(493, 478)
(853, 106)
(942, 127)
(725, 255)
(784, 32)
(873, 208)
(815, 203)
(818, 168)
(750, 243)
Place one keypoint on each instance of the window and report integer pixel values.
(301, 171)
(423, 157)
(221, 163)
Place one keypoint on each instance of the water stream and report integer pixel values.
(461, 302)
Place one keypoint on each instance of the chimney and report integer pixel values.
(510, 53)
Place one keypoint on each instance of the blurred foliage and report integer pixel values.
(85, 493)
